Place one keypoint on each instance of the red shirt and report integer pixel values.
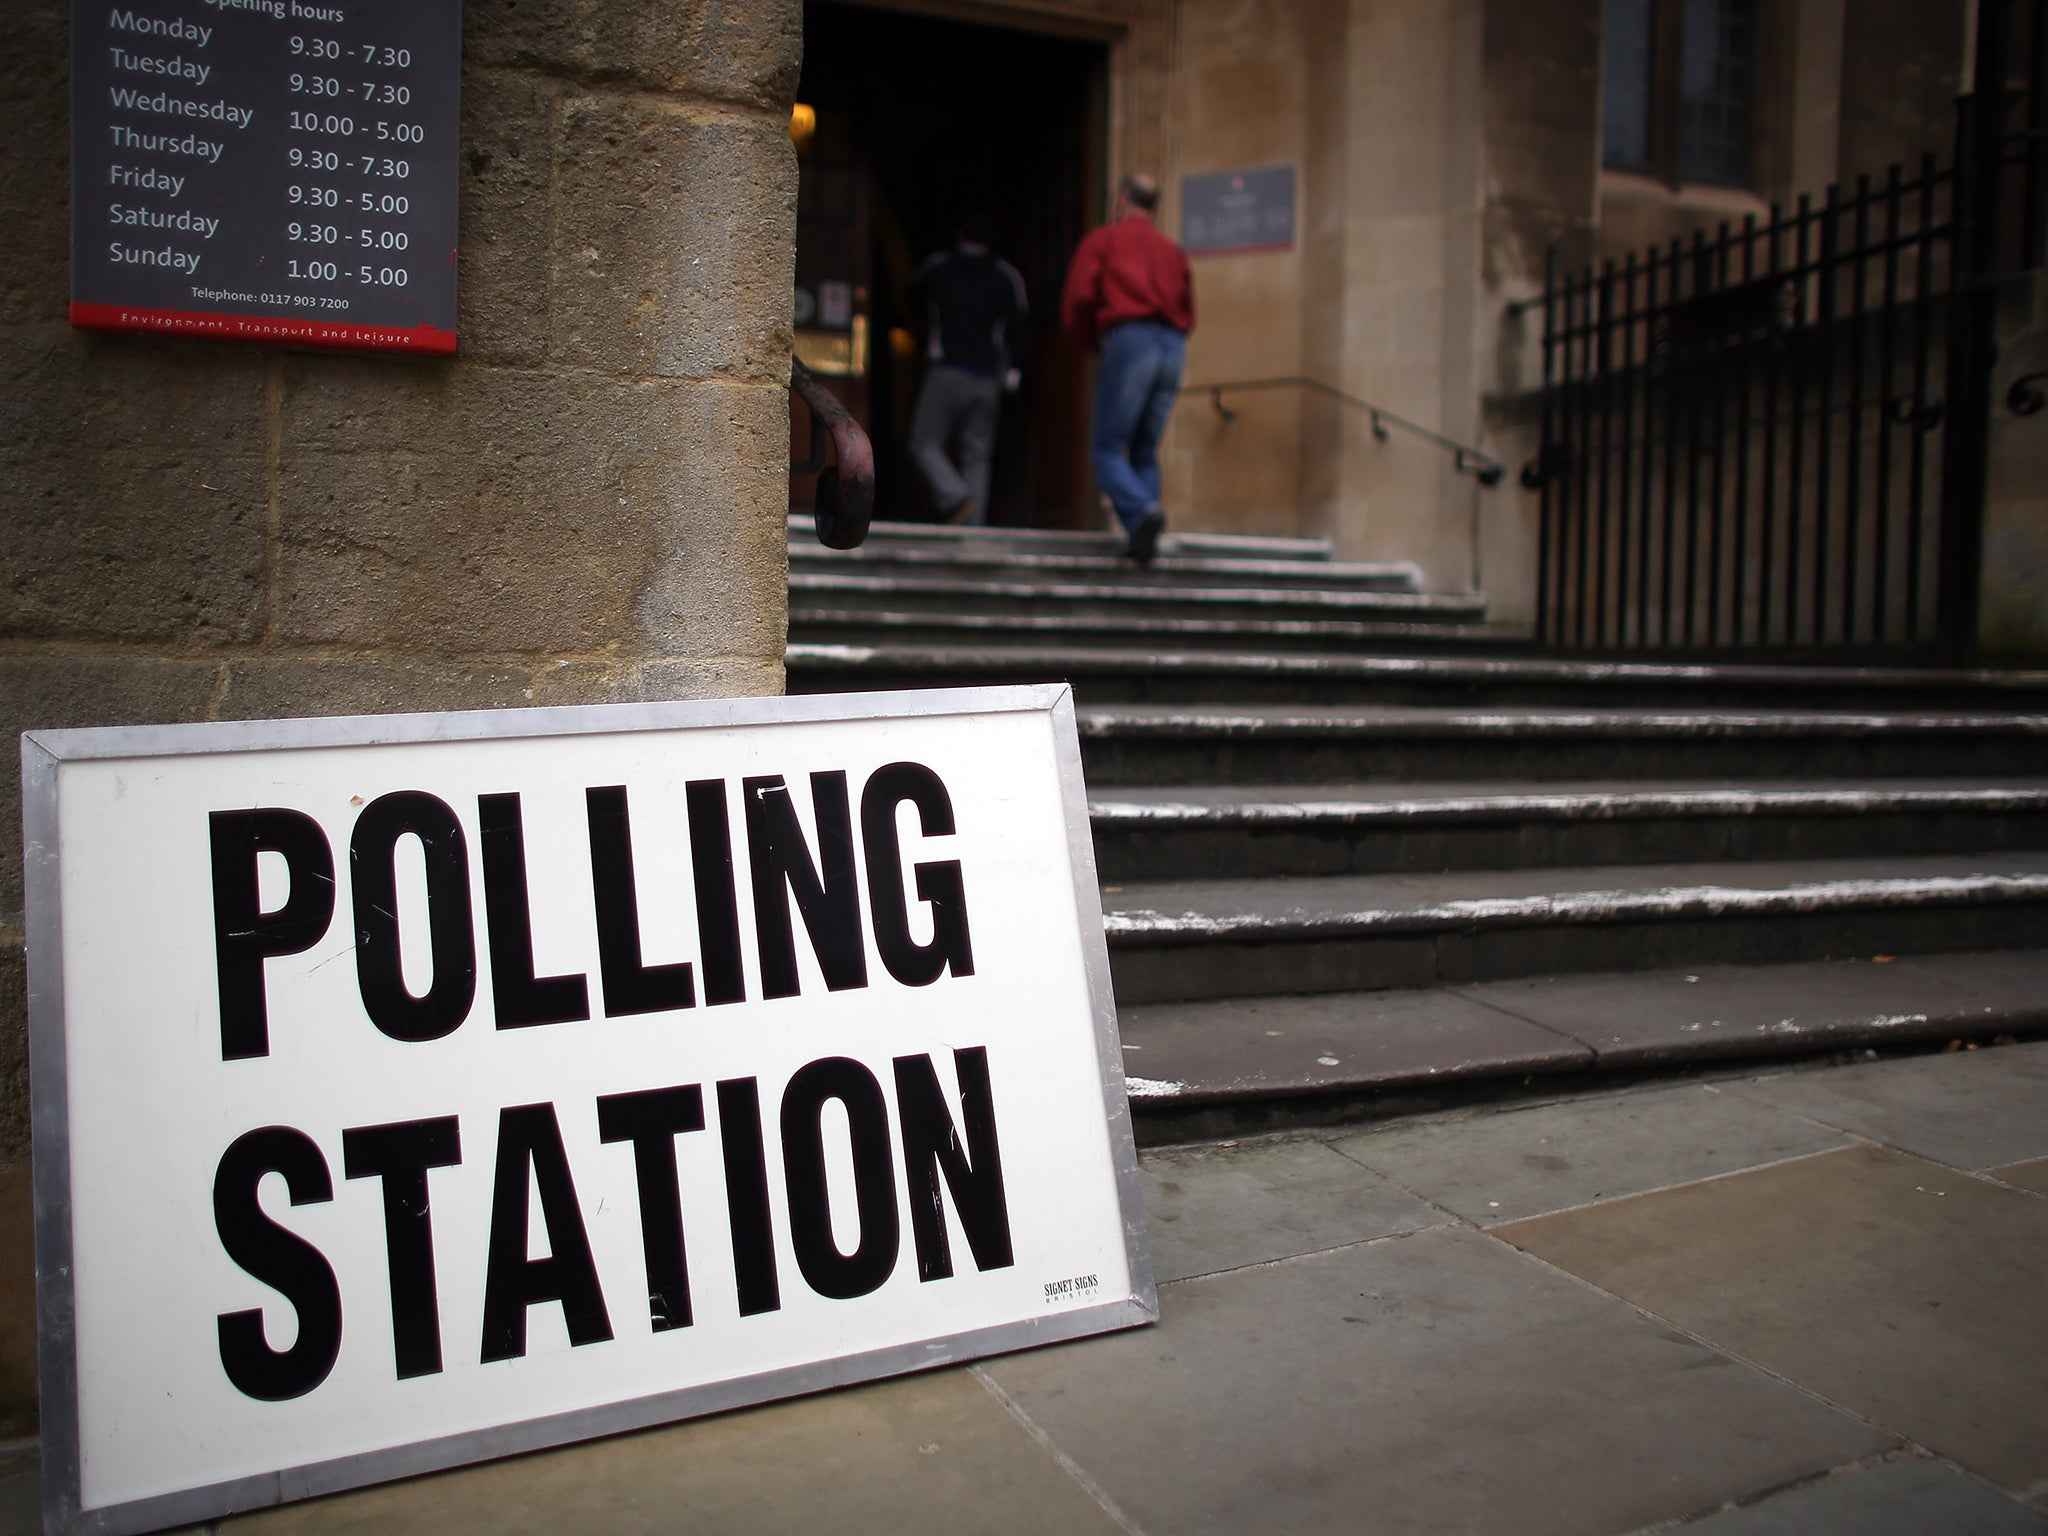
(1126, 271)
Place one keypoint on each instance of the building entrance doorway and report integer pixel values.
(906, 126)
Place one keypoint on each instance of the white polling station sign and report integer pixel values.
(410, 1090)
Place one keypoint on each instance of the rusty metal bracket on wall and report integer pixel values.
(845, 501)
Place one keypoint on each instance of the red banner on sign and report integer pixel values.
(305, 333)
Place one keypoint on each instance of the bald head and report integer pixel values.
(1139, 191)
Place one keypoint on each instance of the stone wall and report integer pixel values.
(1542, 127)
(1240, 103)
(585, 504)
(1406, 283)
(1371, 101)
(1899, 82)
(2013, 616)
(1441, 149)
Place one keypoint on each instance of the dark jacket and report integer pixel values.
(975, 310)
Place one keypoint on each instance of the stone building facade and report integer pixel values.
(1443, 150)
(1439, 151)
(585, 504)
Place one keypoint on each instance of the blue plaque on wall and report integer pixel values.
(1236, 211)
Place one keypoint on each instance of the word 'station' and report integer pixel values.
(530, 1154)
(420, 1089)
(267, 170)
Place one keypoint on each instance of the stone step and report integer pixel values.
(1165, 745)
(818, 623)
(1109, 675)
(1231, 1065)
(1233, 546)
(1118, 596)
(1174, 567)
(1186, 940)
(1228, 832)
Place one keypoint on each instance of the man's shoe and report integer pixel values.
(964, 513)
(1144, 542)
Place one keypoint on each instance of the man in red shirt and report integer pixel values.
(1129, 294)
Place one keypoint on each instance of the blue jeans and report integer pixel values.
(1135, 387)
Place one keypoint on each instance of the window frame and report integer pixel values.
(1665, 81)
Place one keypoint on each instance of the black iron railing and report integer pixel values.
(1741, 435)
(1773, 437)
(1483, 467)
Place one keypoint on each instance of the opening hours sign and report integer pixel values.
(412, 1090)
(267, 170)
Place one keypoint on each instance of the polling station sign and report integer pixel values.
(417, 1089)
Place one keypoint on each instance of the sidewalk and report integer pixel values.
(1806, 1300)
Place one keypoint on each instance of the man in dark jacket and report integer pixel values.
(974, 349)
(1129, 294)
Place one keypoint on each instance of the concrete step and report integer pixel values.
(1244, 1064)
(1229, 832)
(1165, 745)
(820, 623)
(1118, 595)
(1175, 566)
(1109, 674)
(1184, 940)
(1234, 546)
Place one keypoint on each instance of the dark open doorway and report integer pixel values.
(914, 119)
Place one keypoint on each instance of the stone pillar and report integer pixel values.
(1241, 84)
(585, 504)
(1395, 281)
(1542, 146)
(2013, 605)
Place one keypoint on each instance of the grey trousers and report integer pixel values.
(956, 408)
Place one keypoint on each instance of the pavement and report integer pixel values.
(1798, 1298)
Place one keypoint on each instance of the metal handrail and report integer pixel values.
(1483, 467)
(844, 502)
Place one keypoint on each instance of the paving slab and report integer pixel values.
(1208, 908)
(2013, 981)
(885, 532)
(1608, 799)
(918, 1457)
(1506, 721)
(848, 616)
(1907, 1292)
(1715, 1011)
(2032, 1175)
(1911, 1496)
(1234, 1048)
(1970, 1109)
(1437, 1382)
(21, 1511)
(1507, 1165)
(1199, 939)
(1215, 1208)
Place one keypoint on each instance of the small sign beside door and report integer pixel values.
(1230, 212)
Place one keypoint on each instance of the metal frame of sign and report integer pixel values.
(43, 754)
(1196, 192)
